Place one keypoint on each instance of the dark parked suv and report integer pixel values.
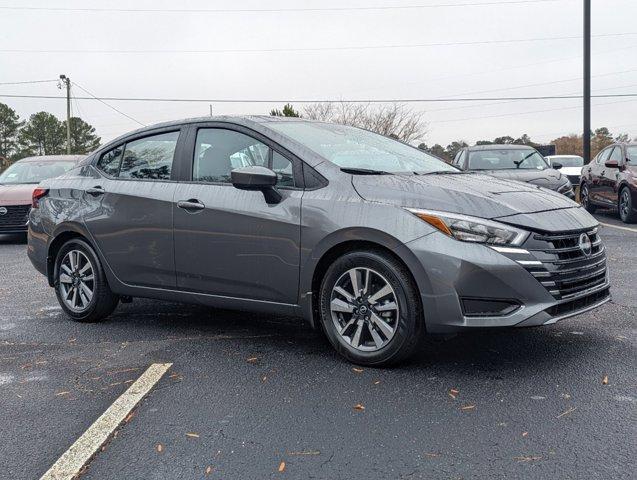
(373, 241)
(515, 162)
(610, 181)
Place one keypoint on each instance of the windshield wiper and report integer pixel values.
(440, 172)
(520, 162)
(364, 171)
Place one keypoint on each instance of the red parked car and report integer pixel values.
(610, 181)
(18, 182)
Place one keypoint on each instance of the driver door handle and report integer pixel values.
(191, 205)
(95, 191)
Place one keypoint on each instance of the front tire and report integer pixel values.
(80, 283)
(585, 199)
(625, 206)
(370, 310)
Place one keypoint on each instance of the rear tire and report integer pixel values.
(382, 323)
(625, 206)
(585, 199)
(80, 283)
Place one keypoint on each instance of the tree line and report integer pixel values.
(42, 134)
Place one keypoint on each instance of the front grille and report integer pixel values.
(563, 268)
(575, 179)
(16, 216)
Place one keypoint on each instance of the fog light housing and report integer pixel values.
(483, 307)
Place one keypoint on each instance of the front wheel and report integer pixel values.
(625, 206)
(585, 199)
(370, 310)
(80, 284)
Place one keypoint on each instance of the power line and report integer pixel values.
(107, 104)
(29, 82)
(315, 49)
(277, 10)
(318, 100)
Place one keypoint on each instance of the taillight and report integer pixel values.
(38, 193)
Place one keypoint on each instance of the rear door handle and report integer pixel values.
(192, 205)
(95, 191)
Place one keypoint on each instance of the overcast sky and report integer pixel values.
(529, 68)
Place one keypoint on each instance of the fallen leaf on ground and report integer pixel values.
(129, 417)
(252, 359)
(570, 410)
(159, 447)
(453, 393)
(281, 466)
(264, 378)
(524, 434)
(527, 458)
(468, 407)
(605, 380)
(359, 407)
(59, 394)
(377, 382)
(192, 435)
(208, 470)
(432, 455)
(357, 370)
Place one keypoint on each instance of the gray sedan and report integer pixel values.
(368, 239)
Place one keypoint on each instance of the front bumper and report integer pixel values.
(538, 291)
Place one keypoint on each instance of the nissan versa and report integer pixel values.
(369, 239)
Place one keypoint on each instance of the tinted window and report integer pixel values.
(602, 156)
(631, 152)
(616, 154)
(150, 157)
(110, 161)
(33, 172)
(283, 169)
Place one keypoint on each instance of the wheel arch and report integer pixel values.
(339, 243)
(59, 238)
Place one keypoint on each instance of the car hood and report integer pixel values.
(471, 194)
(16, 194)
(571, 170)
(547, 178)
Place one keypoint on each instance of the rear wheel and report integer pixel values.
(370, 309)
(80, 283)
(585, 199)
(625, 206)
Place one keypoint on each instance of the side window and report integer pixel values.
(461, 160)
(218, 151)
(110, 161)
(149, 158)
(602, 156)
(283, 169)
(616, 155)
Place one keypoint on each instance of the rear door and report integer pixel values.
(231, 242)
(129, 210)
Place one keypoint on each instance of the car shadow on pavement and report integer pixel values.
(17, 239)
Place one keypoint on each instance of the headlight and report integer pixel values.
(565, 187)
(472, 229)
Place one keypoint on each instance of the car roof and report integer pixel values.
(54, 158)
(564, 156)
(479, 148)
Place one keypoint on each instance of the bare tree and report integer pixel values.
(392, 120)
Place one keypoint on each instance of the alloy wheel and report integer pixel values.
(364, 309)
(584, 196)
(624, 204)
(76, 280)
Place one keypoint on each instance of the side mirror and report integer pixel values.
(255, 177)
(556, 165)
(611, 164)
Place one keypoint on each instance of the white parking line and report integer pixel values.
(618, 227)
(71, 462)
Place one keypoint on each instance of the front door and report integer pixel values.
(609, 179)
(597, 170)
(231, 242)
(129, 209)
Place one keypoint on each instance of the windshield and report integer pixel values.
(33, 172)
(354, 148)
(568, 161)
(632, 153)
(504, 159)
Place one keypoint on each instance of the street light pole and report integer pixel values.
(587, 81)
(67, 81)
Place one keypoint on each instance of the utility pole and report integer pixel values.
(67, 81)
(211, 109)
(587, 81)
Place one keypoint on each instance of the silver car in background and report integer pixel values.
(571, 166)
(370, 240)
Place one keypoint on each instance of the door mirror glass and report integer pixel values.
(556, 165)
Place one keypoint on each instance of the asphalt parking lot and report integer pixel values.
(252, 396)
